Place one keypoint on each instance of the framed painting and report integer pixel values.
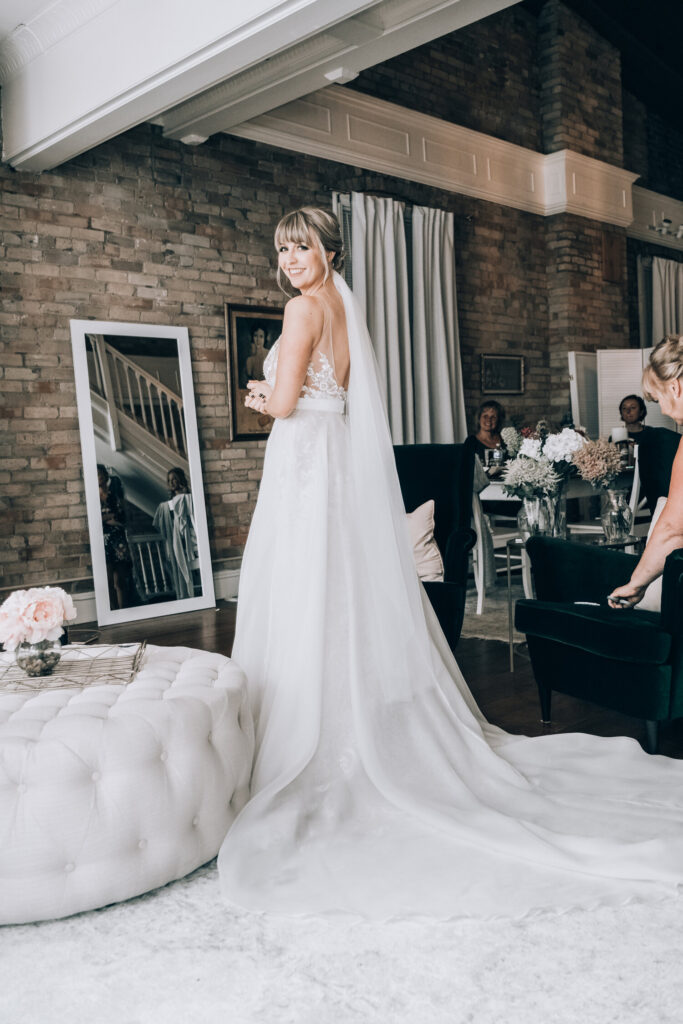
(250, 331)
(502, 375)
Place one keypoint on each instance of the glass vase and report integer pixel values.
(556, 512)
(38, 659)
(532, 518)
(616, 516)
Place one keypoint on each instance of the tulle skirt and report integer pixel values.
(390, 804)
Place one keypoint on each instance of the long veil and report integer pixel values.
(447, 815)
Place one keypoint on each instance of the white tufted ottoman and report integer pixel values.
(111, 790)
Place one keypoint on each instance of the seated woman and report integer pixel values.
(488, 423)
(633, 411)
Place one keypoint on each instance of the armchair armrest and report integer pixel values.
(566, 571)
(455, 557)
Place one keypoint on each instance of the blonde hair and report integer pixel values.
(316, 228)
(666, 363)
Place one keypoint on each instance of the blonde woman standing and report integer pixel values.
(663, 383)
(378, 788)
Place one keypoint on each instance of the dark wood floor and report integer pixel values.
(509, 700)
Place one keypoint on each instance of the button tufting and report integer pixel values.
(210, 737)
(96, 776)
(21, 788)
(163, 756)
(69, 867)
(195, 822)
(142, 844)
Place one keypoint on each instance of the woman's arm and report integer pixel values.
(301, 330)
(665, 538)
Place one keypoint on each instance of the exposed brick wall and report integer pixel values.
(146, 230)
(653, 147)
(586, 312)
(483, 77)
(580, 76)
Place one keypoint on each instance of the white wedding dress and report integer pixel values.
(378, 787)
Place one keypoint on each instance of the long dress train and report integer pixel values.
(378, 788)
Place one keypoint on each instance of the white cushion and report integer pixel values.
(652, 598)
(428, 560)
(108, 791)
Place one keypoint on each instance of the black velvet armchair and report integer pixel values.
(629, 661)
(443, 472)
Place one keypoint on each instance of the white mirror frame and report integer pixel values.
(105, 614)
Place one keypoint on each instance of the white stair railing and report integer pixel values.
(129, 389)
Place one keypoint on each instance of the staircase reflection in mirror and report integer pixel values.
(142, 471)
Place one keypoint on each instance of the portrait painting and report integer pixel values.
(251, 331)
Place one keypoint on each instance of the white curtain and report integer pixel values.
(437, 372)
(379, 265)
(667, 298)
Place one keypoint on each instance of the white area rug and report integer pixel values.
(178, 956)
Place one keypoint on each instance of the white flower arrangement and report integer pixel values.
(531, 448)
(561, 447)
(530, 477)
(512, 440)
(32, 616)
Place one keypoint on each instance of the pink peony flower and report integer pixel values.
(34, 615)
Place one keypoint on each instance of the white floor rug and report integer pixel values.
(178, 956)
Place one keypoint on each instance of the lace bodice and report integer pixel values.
(320, 382)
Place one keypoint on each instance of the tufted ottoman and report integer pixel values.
(107, 791)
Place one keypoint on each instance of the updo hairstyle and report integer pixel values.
(666, 363)
(316, 228)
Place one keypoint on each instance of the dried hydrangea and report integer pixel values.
(530, 478)
(598, 462)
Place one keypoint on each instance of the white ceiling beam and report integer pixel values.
(122, 62)
(337, 54)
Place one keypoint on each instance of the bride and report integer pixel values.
(378, 788)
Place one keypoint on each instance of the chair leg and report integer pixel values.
(478, 566)
(546, 695)
(651, 737)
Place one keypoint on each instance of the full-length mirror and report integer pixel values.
(142, 472)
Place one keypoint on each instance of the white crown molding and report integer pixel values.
(44, 30)
(650, 209)
(348, 127)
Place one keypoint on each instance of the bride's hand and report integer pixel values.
(259, 393)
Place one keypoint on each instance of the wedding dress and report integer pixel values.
(378, 788)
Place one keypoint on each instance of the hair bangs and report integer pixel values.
(294, 227)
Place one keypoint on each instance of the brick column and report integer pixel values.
(581, 109)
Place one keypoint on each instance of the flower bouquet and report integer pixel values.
(542, 464)
(31, 623)
(599, 463)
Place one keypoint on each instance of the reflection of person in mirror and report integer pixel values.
(116, 549)
(174, 520)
